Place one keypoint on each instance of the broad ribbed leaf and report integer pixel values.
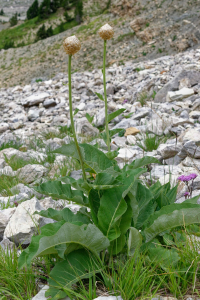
(161, 196)
(93, 158)
(171, 216)
(138, 163)
(155, 187)
(143, 196)
(134, 240)
(65, 214)
(78, 265)
(94, 200)
(72, 236)
(166, 258)
(115, 114)
(171, 195)
(47, 230)
(117, 245)
(112, 207)
(144, 214)
(57, 189)
(126, 218)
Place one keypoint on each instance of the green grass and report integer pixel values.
(19, 32)
(144, 276)
(89, 27)
(15, 284)
(6, 183)
(151, 142)
(143, 98)
(12, 144)
(66, 26)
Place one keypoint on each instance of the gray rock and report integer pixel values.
(110, 89)
(179, 95)
(169, 150)
(35, 99)
(5, 216)
(85, 128)
(33, 114)
(23, 224)
(184, 114)
(190, 149)
(49, 103)
(3, 127)
(6, 245)
(30, 173)
(20, 188)
(173, 85)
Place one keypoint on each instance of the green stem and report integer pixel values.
(71, 118)
(105, 96)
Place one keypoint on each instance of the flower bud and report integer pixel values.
(106, 32)
(71, 45)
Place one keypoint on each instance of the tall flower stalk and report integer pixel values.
(106, 32)
(71, 46)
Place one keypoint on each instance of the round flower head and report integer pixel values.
(106, 32)
(71, 45)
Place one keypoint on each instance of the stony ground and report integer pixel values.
(161, 99)
(158, 28)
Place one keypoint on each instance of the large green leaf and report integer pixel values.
(171, 216)
(59, 190)
(171, 195)
(65, 214)
(115, 114)
(116, 246)
(126, 218)
(94, 200)
(134, 240)
(143, 196)
(78, 265)
(161, 195)
(68, 238)
(93, 158)
(112, 207)
(166, 258)
(47, 230)
(141, 162)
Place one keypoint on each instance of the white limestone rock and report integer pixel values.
(30, 173)
(5, 216)
(179, 95)
(23, 224)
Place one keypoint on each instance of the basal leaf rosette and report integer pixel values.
(71, 45)
(106, 32)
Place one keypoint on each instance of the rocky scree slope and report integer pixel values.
(143, 29)
(38, 109)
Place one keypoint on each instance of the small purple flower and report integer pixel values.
(188, 177)
(16, 203)
(193, 176)
(186, 194)
(181, 178)
(125, 101)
